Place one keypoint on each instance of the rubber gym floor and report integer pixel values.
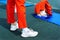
(47, 31)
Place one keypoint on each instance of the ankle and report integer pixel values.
(13, 23)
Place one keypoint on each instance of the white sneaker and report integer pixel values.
(29, 33)
(42, 13)
(14, 27)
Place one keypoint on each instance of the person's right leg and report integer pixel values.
(21, 14)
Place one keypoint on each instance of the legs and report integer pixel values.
(21, 12)
(26, 32)
(43, 8)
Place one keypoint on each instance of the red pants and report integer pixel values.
(20, 12)
(43, 5)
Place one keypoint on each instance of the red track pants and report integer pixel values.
(20, 12)
(43, 5)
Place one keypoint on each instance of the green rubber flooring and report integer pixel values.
(47, 31)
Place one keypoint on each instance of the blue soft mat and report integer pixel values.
(26, 4)
(55, 18)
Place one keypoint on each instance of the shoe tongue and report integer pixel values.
(25, 29)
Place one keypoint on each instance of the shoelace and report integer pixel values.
(31, 29)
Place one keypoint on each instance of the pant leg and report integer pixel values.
(10, 11)
(39, 7)
(21, 13)
(48, 8)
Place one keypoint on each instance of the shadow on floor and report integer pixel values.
(4, 24)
